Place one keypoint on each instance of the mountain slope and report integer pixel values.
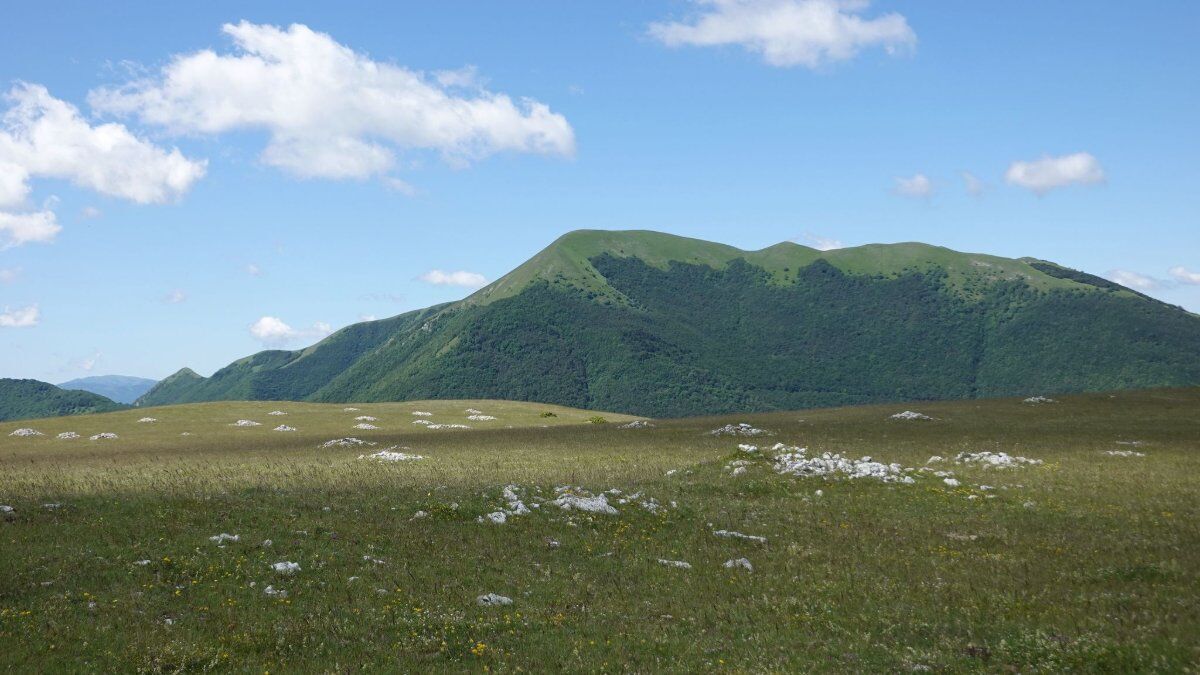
(24, 399)
(120, 388)
(655, 324)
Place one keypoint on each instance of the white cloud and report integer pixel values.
(402, 186)
(1047, 173)
(23, 228)
(253, 270)
(88, 364)
(917, 185)
(22, 317)
(1134, 280)
(9, 274)
(459, 278)
(807, 33)
(175, 297)
(91, 212)
(973, 184)
(43, 136)
(367, 317)
(822, 243)
(331, 112)
(272, 330)
(1185, 276)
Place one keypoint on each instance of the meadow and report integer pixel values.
(1087, 560)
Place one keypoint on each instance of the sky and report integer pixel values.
(186, 185)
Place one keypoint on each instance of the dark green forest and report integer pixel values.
(25, 399)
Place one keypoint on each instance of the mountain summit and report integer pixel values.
(656, 324)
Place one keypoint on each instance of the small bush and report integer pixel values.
(549, 414)
(596, 419)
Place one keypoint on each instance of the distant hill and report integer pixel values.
(22, 399)
(120, 388)
(655, 324)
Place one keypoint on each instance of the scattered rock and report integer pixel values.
(285, 567)
(998, 460)
(493, 600)
(26, 432)
(730, 534)
(737, 563)
(910, 415)
(345, 443)
(103, 436)
(390, 455)
(246, 423)
(798, 463)
(741, 429)
(678, 564)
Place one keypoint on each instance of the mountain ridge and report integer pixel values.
(656, 324)
(120, 388)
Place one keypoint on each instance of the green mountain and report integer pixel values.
(24, 399)
(120, 388)
(655, 324)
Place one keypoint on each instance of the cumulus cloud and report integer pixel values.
(90, 212)
(1185, 276)
(331, 112)
(273, 331)
(972, 183)
(23, 228)
(785, 33)
(22, 317)
(460, 278)
(821, 243)
(1048, 173)
(1135, 280)
(917, 185)
(43, 136)
(9, 274)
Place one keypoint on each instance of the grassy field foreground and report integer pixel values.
(1087, 561)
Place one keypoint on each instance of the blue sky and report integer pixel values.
(732, 120)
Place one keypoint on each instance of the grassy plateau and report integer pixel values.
(1087, 561)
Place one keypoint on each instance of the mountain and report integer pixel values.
(120, 388)
(22, 399)
(655, 324)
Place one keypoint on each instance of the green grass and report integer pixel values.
(1088, 562)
